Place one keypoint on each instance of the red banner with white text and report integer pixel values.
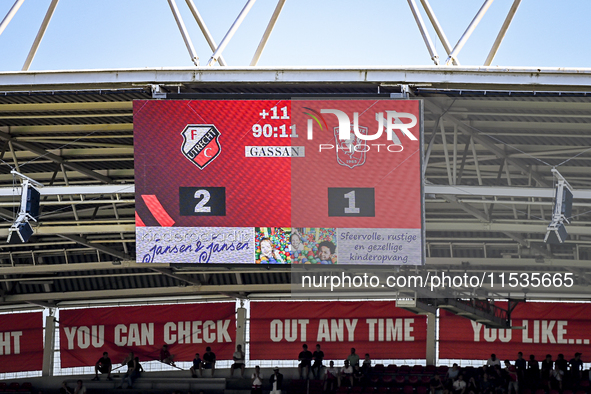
(279, 329)
(547, 328)
(187, 329)
(21, 342)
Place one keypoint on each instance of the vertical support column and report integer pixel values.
(241, 326)
(48, 352)
(445, 152)
(431, 344)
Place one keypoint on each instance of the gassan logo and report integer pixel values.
(351, 137)
(201, 144)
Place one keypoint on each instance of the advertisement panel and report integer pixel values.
(21, 342)
(279, 329)
(187, 329)
(544, 328)
(327, 181)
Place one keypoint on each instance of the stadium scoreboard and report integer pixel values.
(279, 181)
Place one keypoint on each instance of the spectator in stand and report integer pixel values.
(330, 377)
(305, 359)
(137, 370)
(495, 374)
(436, 385)
(487, 386)
(556, 378)
(576, 368)
(103, 365)
(80, 388)
(127, 376)
(521, 366)
(318, 356)
(65, 389)
(257, 381)
(450, 376)
(366, 365)
(459, 385)
(346, 373)
(130, 357)
(561, 363)
(533, 371)
(196, 365)
(239, 360)
(353, 359)
(473, 386)
(493, 360)
(276, 381)
(166, 357)
(547, 367)
(512, 378)
(208, 361)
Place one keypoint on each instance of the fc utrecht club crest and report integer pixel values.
(351, 152)
(201, 144)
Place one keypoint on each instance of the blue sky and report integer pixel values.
(96, 34)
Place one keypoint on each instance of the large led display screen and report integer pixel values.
(279, 181)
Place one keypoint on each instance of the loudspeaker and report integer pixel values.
(21, 234)
(567, 203)
(33, 198)
(556, 234)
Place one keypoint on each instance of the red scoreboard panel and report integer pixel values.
(279, 181)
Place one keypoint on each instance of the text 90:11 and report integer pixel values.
(267, 131)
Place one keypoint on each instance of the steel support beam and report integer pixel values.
(438, 29)
(267, 33)
(465, 207)
(502, 227)
(90, 229)
(48, 348)
(218, 52)
(170, 273)
(502, 32)
(73, 190)
(97, 246)
(475, 77)
(445, 152)
(460, 44)
(60, 268)
(204, 30)
(424, 32)
(11, 12)
(186, 38)
(484, 141)
(40, 35)
(143, 292)
(501, 191)
(55, 158)
(430, 356)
